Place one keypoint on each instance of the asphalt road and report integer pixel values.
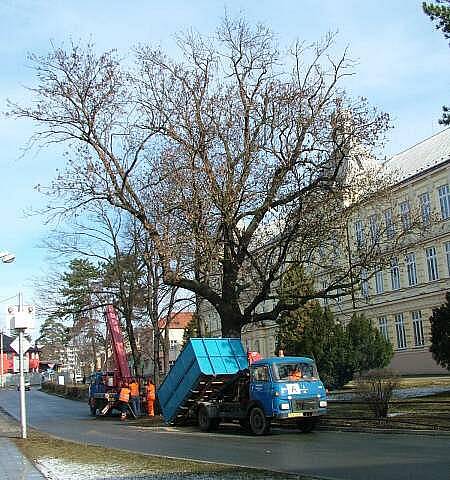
(339, 455)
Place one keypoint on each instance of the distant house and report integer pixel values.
(177, 324)
(176, 327)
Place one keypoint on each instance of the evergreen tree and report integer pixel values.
(313, 331)
(440, 333)
(339, 351)
(192, 330)
(440, 14)
(77, 303)
(77, 287)
(53, 338)
(369, 348)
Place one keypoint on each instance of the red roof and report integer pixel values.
(177, 320)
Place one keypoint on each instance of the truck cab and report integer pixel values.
(286, 389)
(102, 394)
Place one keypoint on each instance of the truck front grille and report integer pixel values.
(304, 405)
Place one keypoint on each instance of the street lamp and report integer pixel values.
(6, 257)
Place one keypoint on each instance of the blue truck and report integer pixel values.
(212, 382)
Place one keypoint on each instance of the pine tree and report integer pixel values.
(339, 351)
(440, 333)
(440, 13)
(370, 349)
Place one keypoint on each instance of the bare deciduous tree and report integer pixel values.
(234, 159)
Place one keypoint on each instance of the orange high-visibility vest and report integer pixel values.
(124, 395)
(295, 376)
(134, 389)
(151, 392)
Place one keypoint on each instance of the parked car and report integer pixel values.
(27, 386)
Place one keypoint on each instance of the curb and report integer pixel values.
(396, 431)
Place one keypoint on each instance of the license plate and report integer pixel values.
(298, 414)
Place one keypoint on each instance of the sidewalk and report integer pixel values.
(13, 464)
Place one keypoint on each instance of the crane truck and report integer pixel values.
(212, 381)
(104, 386)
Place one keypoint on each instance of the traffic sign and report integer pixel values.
(25, 347)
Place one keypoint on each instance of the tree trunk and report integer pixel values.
(229, 309)
(156, 360)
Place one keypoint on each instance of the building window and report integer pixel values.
(433, 273)
(400, 331)
(379, 281)
(359, 233)
(444, 200)
(411, 269)
(383, 327)
(173, 344)
(364, 284)
(447, 254)
(374, 229)
(395, 274)
(418, 328)
(405, 216)
(425, 207)
(271, 346)
(390, 229)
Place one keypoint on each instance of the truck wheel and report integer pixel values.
(259, 424)
(307, 425)
(205, 422)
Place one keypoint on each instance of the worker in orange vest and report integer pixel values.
(124, 398)
(135, 399)
(295, 375)
(150, 391)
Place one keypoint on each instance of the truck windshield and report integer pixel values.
(293, 372)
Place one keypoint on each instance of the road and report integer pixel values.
(338, 455)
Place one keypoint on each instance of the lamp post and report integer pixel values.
(21, 319)
(23, 415)
(5, 257)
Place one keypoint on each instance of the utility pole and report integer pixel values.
(20, 321)
(23, 413)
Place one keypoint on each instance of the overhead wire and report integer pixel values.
(7, 299)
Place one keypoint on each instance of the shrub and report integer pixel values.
(376, 388)
(79, 392)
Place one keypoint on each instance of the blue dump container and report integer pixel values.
(201, 361)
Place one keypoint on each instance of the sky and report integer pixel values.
(402, 68)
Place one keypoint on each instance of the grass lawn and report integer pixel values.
(69, 460)
(420, 413)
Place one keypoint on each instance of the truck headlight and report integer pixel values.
(284, 406)
(323, 403)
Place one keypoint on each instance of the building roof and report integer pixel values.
(177, 320)
(421, 157)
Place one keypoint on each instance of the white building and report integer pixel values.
(399, 299)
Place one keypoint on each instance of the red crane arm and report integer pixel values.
(120, 356)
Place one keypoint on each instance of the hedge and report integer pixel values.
(76, 392)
